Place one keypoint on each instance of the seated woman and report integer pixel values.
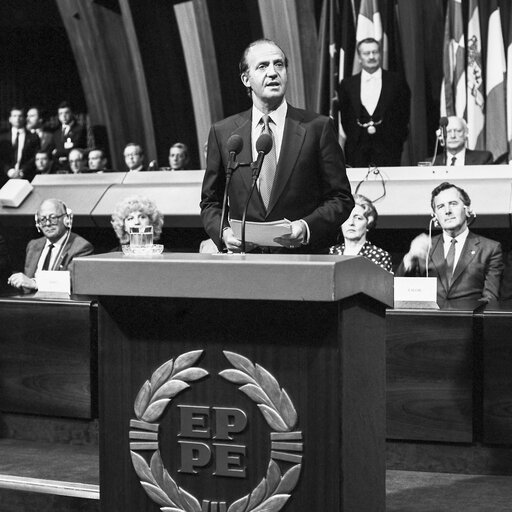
(362, 218)
(136, 211)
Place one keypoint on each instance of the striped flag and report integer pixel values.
(348, 39)
(475, 91)
(509, 90)
(496, 124)
(453, 87)
(369, 24)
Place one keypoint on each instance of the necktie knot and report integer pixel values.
(454, 159)
(266, 120)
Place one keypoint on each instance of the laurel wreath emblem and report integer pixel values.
(170, 379)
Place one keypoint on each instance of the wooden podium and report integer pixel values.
(232, 383)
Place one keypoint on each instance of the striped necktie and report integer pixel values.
(450, 260)
(268, 168)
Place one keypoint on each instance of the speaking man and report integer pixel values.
(303, 177)
(467, 266)
(374, 109)
(53, 251)
(456, 151)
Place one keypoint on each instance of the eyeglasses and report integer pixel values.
(52, 219)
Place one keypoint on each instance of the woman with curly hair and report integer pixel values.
(362, 218)
(136, 211)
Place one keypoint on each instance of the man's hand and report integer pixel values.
(417, 252)
(233, 244)
(296, 238)
(20, 280)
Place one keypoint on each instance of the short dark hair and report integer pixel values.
(65, 104)
(45, 152)
(96, 148)
(445, 186)
(134, 144)
(367, 40)
(243, 66)
(15, 107)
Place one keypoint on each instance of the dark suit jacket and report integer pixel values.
(8, 158)
(476, 276)
(385, 146)
(77, 134)
(75, 246)
(310, 184)
(473, 157)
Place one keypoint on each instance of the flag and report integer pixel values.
(509, 89)
(475, 86)
(496, 123)
(348, 39)
(369, 24)
(453, 87)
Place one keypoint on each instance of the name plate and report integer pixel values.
(416, 292)
(55, 281)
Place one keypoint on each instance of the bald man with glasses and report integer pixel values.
(53, 251)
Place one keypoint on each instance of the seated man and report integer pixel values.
(97, 160)
(53, 251)
(134, 157)
(467, 266)
(77, 162)
(456, 151)
(178, 157)
(43, 162)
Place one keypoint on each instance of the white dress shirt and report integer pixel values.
(56, 252)
(460, 157)
(371, 87)
(278, 118)
(461, 240)
(21, 141)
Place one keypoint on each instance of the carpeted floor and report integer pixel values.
(414, 491)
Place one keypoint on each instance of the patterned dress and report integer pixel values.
(368, 250)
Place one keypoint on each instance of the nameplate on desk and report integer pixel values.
(416, 292)
(57, 281)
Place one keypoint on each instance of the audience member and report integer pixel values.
(35, 124)
(134, 157)
(70, 134)
(354, 231)
(43, 163)
(17, 149)
(375, 109)
(178, 156)
(77, 162)
(97, 160)
(456, 152)
(467, 266)
(136, 211)
(310, 187)
(55, 250)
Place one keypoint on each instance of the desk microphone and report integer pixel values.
(440, 138)
(263, 146)
(234, 145)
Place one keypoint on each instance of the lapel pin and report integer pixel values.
(473, 252)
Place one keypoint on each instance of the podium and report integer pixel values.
(240, 382)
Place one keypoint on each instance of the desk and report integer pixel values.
(48, 357)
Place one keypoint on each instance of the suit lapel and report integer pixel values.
(384, 93)
(293, 138)
(438, 260)
(468, 252)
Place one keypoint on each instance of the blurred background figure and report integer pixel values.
(77, 163)
(17, 149)
(35, 124)
(97, 160)
(355, 229)
(136, 211)
(43, 162)
(178, 156)
(134, 157)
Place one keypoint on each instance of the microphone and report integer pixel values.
(153, 165)
(263, 146)
(234, 145)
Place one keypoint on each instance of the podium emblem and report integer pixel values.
(173, 377)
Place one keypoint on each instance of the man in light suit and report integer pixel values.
(456, 151)
(309, 187)
(374, 108)
(55, 250)
(467, 266)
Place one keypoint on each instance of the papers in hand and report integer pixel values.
(262, 233)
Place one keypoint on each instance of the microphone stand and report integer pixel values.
(232, 166)
(256, 168)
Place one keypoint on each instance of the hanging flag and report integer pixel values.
(453, 87)
(509, 89)
(369, 24)
(348, 39)
(475, 90)
(496, 125)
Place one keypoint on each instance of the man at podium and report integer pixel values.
(302, 176)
